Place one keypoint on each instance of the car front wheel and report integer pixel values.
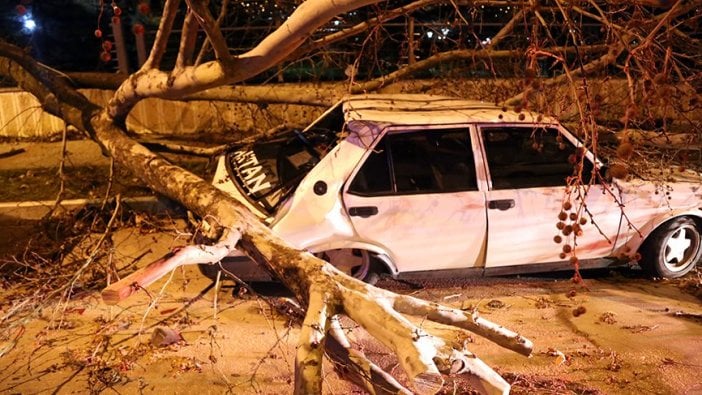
(673, 249)
(354, 262)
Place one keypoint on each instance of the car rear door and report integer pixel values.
(416, 195)
(533, 216)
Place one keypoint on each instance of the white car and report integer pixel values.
(426, 186)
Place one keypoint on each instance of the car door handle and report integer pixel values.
(502, 205)
(363, 212)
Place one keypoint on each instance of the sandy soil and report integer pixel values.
(617, 334)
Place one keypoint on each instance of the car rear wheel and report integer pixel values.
(354, 262)
(673, 249)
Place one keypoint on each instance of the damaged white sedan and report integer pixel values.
(424, 186)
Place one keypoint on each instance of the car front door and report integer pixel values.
(533, 216)
(415, 195)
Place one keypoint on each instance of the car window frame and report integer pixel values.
(469, 129)
(479, 127)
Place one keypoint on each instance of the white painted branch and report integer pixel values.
(484, 379)
(414, 347)
(469, 321)
(310, 350)
(190, 255)
(355, 366)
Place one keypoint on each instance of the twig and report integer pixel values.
(12, 152)
(218, 286)
(61, 173)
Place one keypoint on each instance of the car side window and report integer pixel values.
(529, 157)
(374, 176)
(428, 161)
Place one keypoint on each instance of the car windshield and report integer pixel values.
(268, 171)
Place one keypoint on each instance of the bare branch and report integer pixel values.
(207, 152)
(363, 26)
(598, 64)
(190, 255)
(53, 91)
(506, 29)
(187, 41)
(170, 9)
(208, 23)
(487, 381)
(206, 45)
(441, 57)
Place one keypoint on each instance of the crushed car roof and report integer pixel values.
(412, 109)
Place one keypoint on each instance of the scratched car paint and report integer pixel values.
(427, 186)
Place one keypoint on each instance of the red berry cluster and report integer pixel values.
(105, 54)
(144, 8)
(569, 223)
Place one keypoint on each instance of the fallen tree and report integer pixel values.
(325, 291)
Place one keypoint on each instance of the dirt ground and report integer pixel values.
(616, 334)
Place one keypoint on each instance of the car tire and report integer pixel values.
(673, 249)
(355, 262)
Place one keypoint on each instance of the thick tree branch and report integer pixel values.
(310, 349)
(415, 348)
(354, 365)
(52, 90)
(273, 49)
(273, 94)
(321, 96)
(468, 321)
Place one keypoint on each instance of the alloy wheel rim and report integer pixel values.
(681, 246)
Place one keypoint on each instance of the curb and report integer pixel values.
(13, 212)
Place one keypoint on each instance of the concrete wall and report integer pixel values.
(21, 117)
